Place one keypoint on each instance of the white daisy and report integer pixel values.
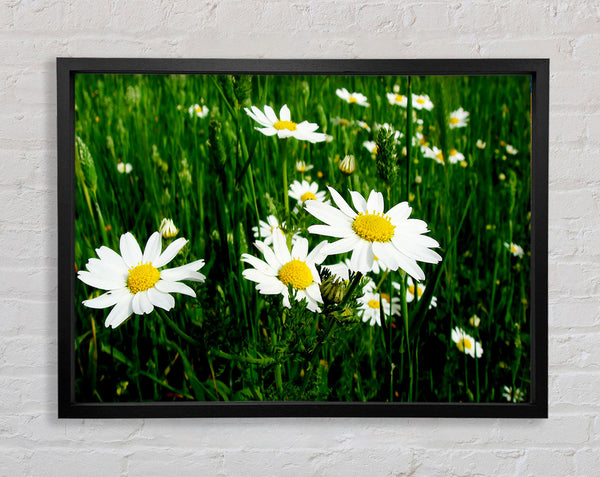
(458, 118)
(369, 308)
(511, 150)
(410, 291)
(454, 156)
(266, 230)
(302, 166)
(480, 144)
(397, 99)
(282, 269)
(396, 240)
(199, 111)
(433, 153)
(167, 228)
(363, 125)
(371, 146)
(133, 279)
(352, 98)
(422, 101)
(515, 249)
(283, 126)
(466, 343)
(124, 168)
(306, 191)
(474, 321)
(513, 396)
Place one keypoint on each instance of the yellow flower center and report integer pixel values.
(440, 156)
(373, 227)
(454, 120)
(513, 249)
(375, 149)
(142, 277)
(411, 290)
(462, 344)
(296, 273)
(308, 196)
(399, 98)
(352, 99)
(420, 101)
(373, 304)
(198, 109)
(344, 122)
(279, 125)
(453, 152)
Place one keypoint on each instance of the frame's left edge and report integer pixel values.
(66, 221)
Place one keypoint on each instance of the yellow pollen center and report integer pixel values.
(373, 304)
(198, 110)
(399, 98)
(411, 290)
(308, 196)
(462, 344)
(373, 227)
(142, 277)
(440, 156)
(420, 101)
(454, 120)
(453, 152)
(352, 99)
(279, 125)
(375, 149)
(296, 273)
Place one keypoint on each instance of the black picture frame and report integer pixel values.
(68, 68)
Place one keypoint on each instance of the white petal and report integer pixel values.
(258, 264)
(270, 257)
(145, 303)
(108, 299)
(270, 114)
(268, 131)
(399, 213)
(160, 299)
(98, 281)
(342, 246)
(113, 258)
(119, 313)
(375, 202)
(169, 253)
(130, 250)
(314, 292)
(284, 113)
(153, 247)
(341, 203)
(167, 286)
(317, 254)
(280, 248)
(300, 249)
(360, 204)
(103, 268)
(362, 257)
(329, 231)
(328, 214)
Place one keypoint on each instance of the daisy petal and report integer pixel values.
(130, 250)
(160, 299)
(341, 203)
(375, 202)
(107, 299)
(284, 113)
(119, 313)
(153, 247)
(102, 282)
(300, 249)
(167, 286)
(169, 253)
(360, 204)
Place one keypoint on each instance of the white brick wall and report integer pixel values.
(33, 442)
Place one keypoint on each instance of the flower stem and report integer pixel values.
(405, 316)
(286, 200)
(408, 136)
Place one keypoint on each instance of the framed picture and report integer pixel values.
(302, 237)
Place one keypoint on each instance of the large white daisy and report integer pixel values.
(459, 118)
(282, 268)
(303, 191)
(369, 308)
(352, 98)
(133, 279)
(283, 126)
(391, 236)
(466, 343)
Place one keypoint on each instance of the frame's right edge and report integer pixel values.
(539, 237)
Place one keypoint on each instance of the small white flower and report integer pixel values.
(513, 396)
(133, 279)
(422, 101)
(124, 168)
(454, 156)
(391, 236)
(363, 125)
(458, 118)
(411, 289)
(515, 249)
(352, 98)
(466, 343)
(371, 146)
(283, 126)
(480, 144)
(433, 153)
(397, 99)
(370, 303)
(199, 111)
(511, 150)
(306, 191)
(302, 166)
(167, 228)
(474, 321)
(282, 269)
(267, 229)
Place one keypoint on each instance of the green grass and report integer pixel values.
(231, 343)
